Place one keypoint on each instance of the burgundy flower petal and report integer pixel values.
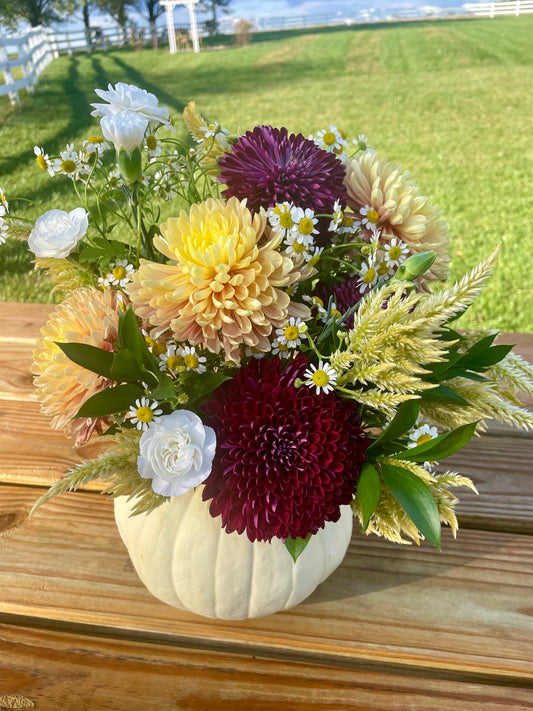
(286, 459)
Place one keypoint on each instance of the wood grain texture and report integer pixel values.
(57, 670)
(466, 609)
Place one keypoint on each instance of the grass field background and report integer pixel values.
(450, 101)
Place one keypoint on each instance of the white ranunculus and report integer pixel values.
(127, 97)
(125, 130)
(176, 452)
(56, 233)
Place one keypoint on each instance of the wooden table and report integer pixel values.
(393, 628)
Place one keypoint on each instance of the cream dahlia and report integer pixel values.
(403, 212)
(85, 316)
(224, 286)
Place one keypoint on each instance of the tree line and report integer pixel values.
(47, 12)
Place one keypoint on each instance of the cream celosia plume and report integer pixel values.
(85, 316)
(403, 212)
(225, 284)
(394, 338)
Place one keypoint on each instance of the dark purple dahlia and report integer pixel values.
(269, 166)
(286, 458)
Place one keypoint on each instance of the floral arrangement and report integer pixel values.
(256, 315)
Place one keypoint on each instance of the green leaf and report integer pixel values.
(444, 394)
(490, 357)
(97, 360)
(368, 489)
(296, 546)
(125, 367)
(441, 447)
(416, 499)
(202, 385)
(110, 401)
(478, 348)
(402, 421)
(165, 389)
(129, 335)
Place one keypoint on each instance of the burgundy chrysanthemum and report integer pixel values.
(268, 166)
(286, 459)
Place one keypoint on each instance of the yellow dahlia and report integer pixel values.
(225, 284)
(403, 212)
(85, 316)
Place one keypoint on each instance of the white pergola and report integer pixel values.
(169, 6)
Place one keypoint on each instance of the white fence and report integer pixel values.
(97, 38)
(28, 55)
(491, 9)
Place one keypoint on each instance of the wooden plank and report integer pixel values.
(499, 466)
(465, 610)
(50, 669)
(22, 322)
(33, 453)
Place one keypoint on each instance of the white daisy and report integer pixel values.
(304, 222)
(143, 412)
(252, 352)
(421, 435)
(299, 244)
(97, 145)
(191, 359)
(4, 205)
(120, 273)
(336, 218)
(153, 146)
(291, 333)
(280, 349)
(396, 252)
(281, 217)
(322, 377)
(43, 161)
(331, 140)
(3, 230)
(171, 360)
(361, 142)
(315, 303)
(368, 276)
(370, 217)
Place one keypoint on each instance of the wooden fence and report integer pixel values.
(23, 59)
(492, 9)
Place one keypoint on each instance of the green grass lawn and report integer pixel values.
(450, 101)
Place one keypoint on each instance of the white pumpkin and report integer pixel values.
(187, 560)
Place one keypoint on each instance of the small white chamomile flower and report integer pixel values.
(322, 377)
(43, 161)
(281, 217)
(421, 435)
(120, 273)
(370, 217)
(171, 360)
(291, 333)
(331, 140)
(362, 142)
(4, 205)
(304, 222)
(143, 412)
(193, 361)
(280, 349)
(315, 302)
(3, 230)
(396, 252)
(368, 276)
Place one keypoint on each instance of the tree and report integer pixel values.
(36, 12)
(150, 10)
(211, 6)
(117, 9)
